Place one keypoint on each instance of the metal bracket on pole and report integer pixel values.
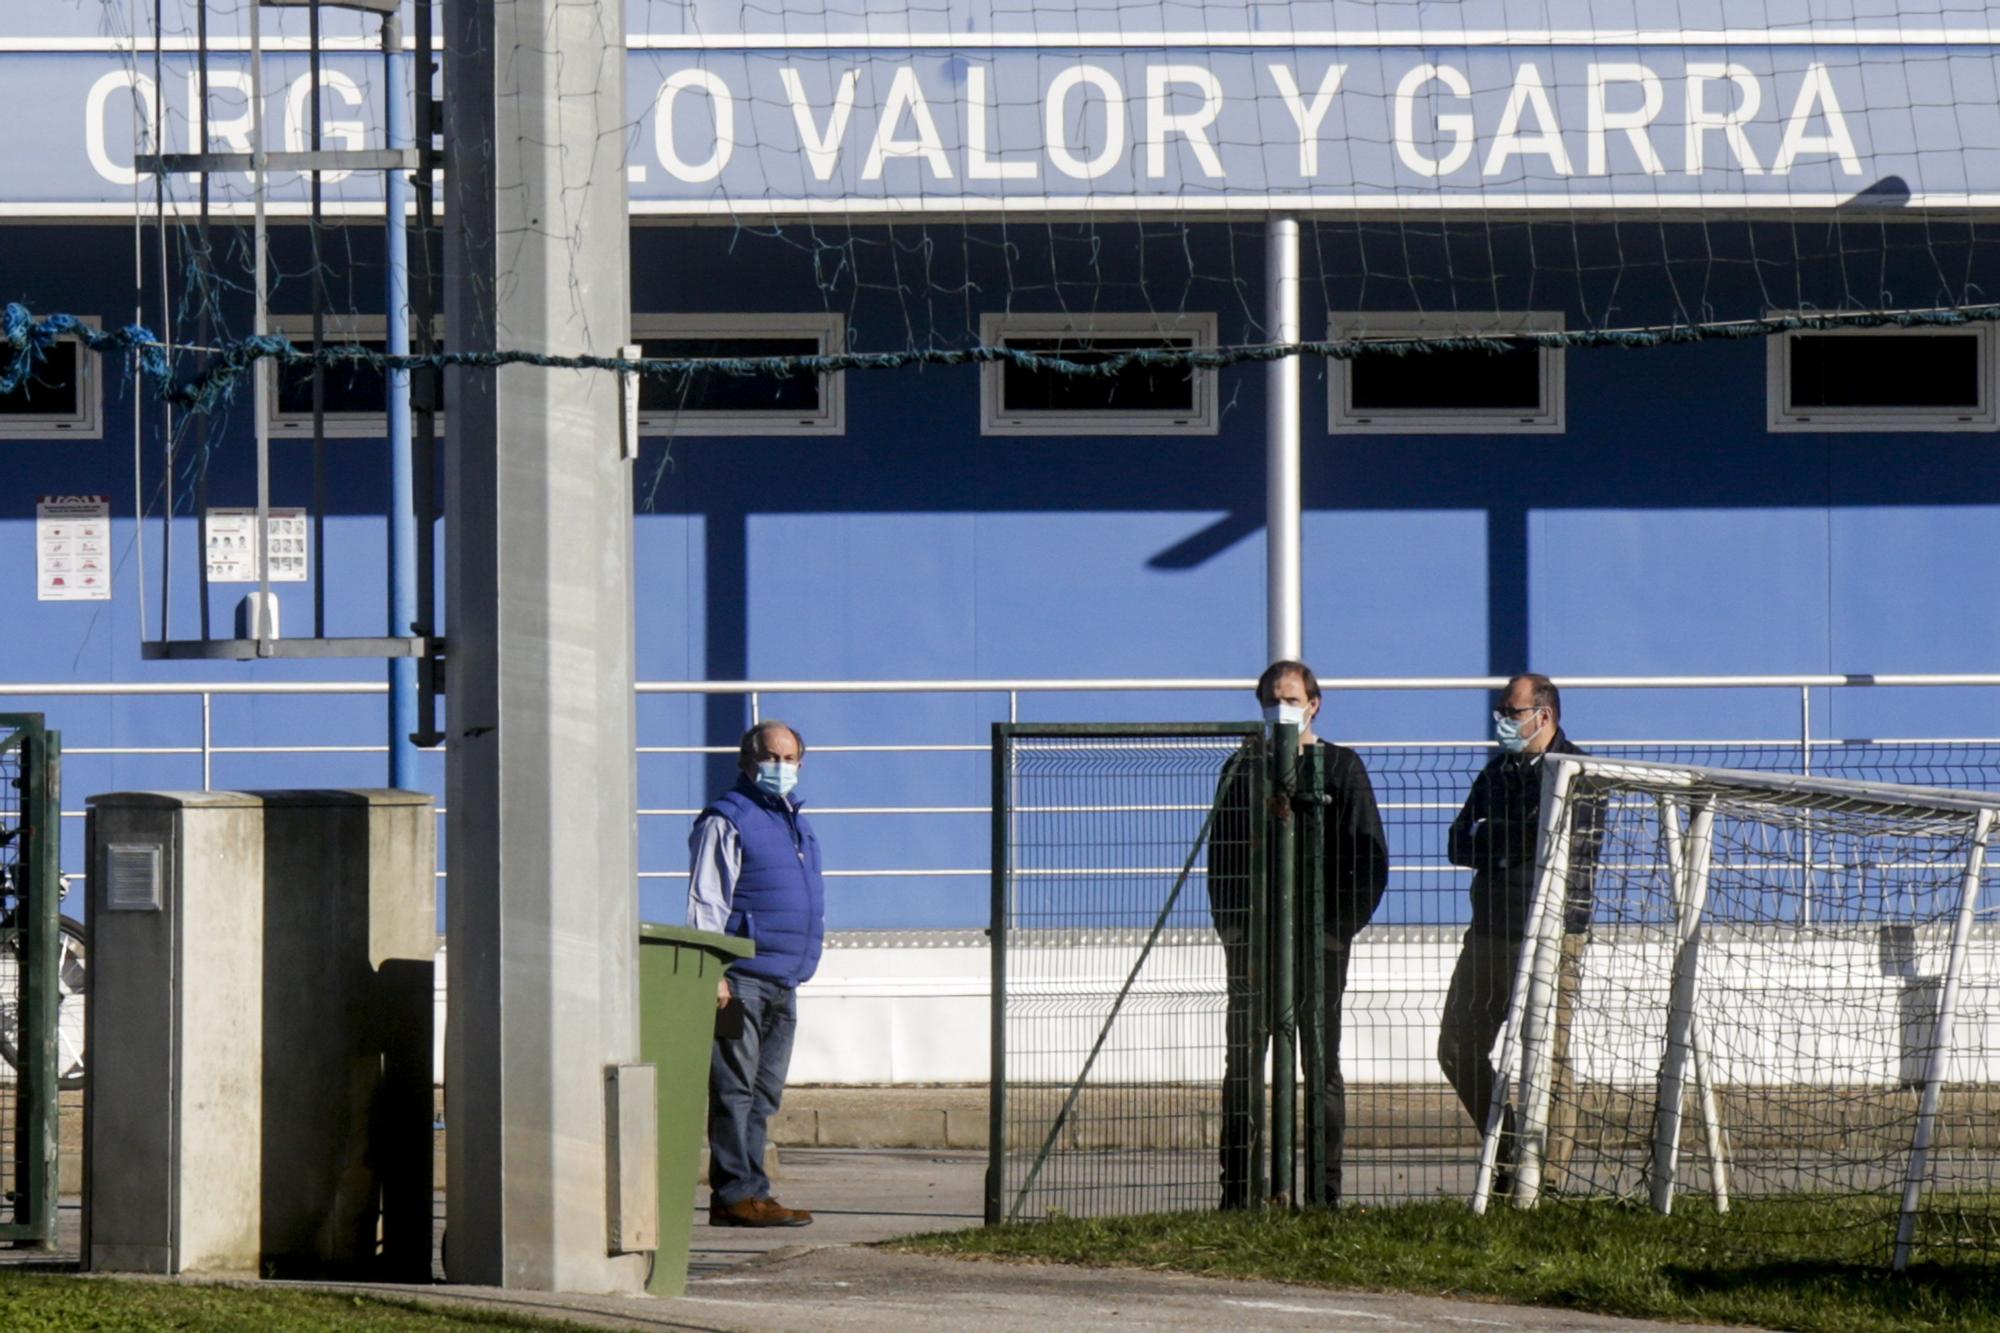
(628, 404)
(326, 159)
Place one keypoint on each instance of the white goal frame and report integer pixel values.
(1686, 797)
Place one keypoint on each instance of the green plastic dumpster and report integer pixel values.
(678, 969)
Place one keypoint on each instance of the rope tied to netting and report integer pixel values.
(29, 337)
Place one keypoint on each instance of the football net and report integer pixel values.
(1785, 994)
(1071, 197)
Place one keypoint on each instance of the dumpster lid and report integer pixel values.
(735, 947)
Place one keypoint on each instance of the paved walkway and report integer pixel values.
(820, 1279)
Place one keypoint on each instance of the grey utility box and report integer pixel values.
(260, 1033)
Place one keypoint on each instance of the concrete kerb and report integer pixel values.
(827, 1289)
(828, 1279)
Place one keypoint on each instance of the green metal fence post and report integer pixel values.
(1311, 893)
(40, 903)
(1258, 962)
(1284, 946)
(996, 1093)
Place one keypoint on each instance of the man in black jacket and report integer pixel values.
(1355, 866)
(1495, 837)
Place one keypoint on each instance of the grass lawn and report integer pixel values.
(1781, 1265)
(38, 1301)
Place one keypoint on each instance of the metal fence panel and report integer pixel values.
(1109, 1069)
(1113, 1000)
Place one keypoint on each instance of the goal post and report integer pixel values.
(1741, 933)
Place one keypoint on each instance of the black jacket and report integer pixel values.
(1355, 854)
(1494, 836)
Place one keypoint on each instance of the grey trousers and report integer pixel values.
(1475, 1009)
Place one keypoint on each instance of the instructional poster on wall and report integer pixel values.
(73, 548)
(232, 546)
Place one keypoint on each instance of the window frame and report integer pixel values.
(1343, 419)
(1201, 328)
(828, 327)
(1783, 418)
(86, 422)
(344, 327)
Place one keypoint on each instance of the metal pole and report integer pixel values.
(1282, 998)
(402, 466)
(1283, 617)
(260, 369)
(205, 298)
(1313, 980)
(1002, 920)
(542, 901)
(37, 1108)
(1807, 850)
(1704, 1071)
(1690, 896)
(1941, 1040)
(319, 336)
(1533, 990)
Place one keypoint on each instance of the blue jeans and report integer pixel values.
(746, 1080)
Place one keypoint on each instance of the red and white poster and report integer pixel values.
(73, 548)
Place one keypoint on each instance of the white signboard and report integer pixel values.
(73, 548)
(232, 546)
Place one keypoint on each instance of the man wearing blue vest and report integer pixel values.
(755, 873)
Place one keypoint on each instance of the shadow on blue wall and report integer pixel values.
(1614, 547)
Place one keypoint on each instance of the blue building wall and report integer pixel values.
(1665, 532)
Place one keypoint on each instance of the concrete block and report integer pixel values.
(260, 1038)
(890, 1126)
(794, 1126)
(969, 1128)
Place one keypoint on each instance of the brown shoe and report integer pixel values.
(757, 1213)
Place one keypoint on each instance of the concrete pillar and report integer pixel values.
(542, 905)
(260, 1023)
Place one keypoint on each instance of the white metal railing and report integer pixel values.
(755, 693)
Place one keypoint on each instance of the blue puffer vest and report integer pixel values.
(780, 898)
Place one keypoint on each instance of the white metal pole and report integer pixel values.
(1954, 968)
(1704, 1074)
(1711, 1117)
(1284, 615)
(1690, 895)
(1552, 861)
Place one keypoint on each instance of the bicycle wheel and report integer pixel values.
(72, 987)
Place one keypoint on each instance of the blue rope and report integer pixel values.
(28, 339)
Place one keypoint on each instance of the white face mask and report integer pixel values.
(1285, 714)
(777, 778)
(1512, 739)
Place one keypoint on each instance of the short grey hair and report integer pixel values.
(752, 748)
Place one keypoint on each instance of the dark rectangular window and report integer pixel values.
(352, 389)
(54, 390)
(356, 389)
(1885, 370)
(1166, 390)
(1454, 380)
(720, 391)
